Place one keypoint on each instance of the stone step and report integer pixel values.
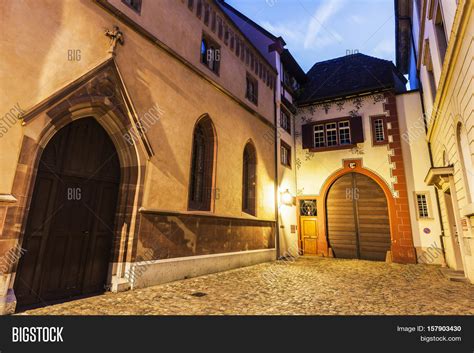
(455, 276)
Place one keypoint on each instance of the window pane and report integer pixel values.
(285, 121)
(422, 206)
(319, 136)
(285, 155)
(331, 134)
(379, 130)
(344, 133)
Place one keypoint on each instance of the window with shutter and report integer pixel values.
(333, 134)
(307, 136)
(357, 129)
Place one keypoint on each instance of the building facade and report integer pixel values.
(289, 81)
(148, 141)
(135, 156)
(360, 185)
(434, 48)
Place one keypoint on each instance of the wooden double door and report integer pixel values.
(69, 232)
(358, 224)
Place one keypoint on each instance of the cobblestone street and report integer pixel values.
(308, 286)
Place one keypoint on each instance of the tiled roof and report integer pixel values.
(349, 75)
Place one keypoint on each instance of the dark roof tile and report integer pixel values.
(349, 75)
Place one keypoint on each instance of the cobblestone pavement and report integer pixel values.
(307, 286)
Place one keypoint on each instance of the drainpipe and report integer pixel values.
(277, 223)
(432, 165)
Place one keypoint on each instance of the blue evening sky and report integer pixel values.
(318, 30)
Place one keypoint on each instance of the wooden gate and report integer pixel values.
(358, 223)
(70, 227)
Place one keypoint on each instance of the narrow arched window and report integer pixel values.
(202, 166)
(249, 179)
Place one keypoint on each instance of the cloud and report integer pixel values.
(318, 34)
(357, 19)
(289, 32)
(385, 48)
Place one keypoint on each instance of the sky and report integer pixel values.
(318, 30)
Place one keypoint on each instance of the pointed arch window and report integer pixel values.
(249, 180)
(202, 166)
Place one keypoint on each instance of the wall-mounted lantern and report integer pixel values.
(287, 198)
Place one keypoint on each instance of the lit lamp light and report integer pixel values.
(287, 198)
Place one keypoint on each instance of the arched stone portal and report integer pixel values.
(402, 249)
(358, 224)
(98, 95)
(70, 228)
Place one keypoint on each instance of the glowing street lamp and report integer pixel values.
(286, 198)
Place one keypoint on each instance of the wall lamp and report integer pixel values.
(287, 198)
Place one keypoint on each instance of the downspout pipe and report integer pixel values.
(430, 153)
(275, 121)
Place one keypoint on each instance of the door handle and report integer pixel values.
(85, 232)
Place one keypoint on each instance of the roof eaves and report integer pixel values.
(218, 2)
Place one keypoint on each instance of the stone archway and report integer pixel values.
(402, 248)
(357, 218)
(70, 227)
(100, 95)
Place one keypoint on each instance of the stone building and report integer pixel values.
(289, 82)
(360, 185)
(139, 156)
(147, 141)
(434, 48)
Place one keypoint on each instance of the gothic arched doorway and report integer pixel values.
(70, 228)
(358, 224)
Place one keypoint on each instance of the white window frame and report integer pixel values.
(332, 129)
(427, 197)
(321, 136)
(379, 130)
(344, 129)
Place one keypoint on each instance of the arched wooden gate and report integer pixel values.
(358, 224)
